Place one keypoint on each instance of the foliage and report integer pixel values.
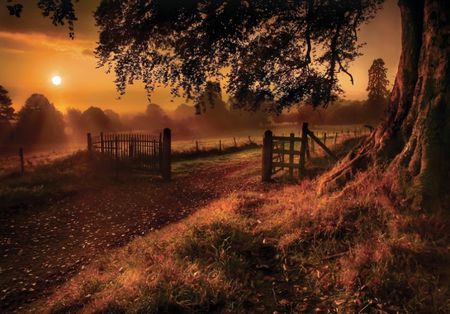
(6, 109)
(95, 120)
(377, 102)
(60, 12)
(378, 82)
(283, 51)
(288, 51)
(39, 121)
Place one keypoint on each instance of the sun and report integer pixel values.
(56, 80)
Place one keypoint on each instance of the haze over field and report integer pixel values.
(268, 184)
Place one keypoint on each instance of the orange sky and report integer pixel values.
(32, 51)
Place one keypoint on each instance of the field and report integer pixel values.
(10, 161)
(216, 239)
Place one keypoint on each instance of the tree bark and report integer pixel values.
(414, 139)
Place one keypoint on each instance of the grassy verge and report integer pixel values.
(193, 154)
(73, 174)
(277, 248)
(44, 183)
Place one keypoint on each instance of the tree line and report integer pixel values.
(38, 121)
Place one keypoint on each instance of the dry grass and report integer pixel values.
(282, 249)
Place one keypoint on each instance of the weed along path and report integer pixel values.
(44, 246)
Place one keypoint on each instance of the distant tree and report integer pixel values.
(115, 120)
(217, 117)
(378, 91)
(183, 112)
(378, 82)
(292, 50)
(6, 109)
(95, 120)
(210, 97)
(75, 122)
(251, 110)
(153, 119)
(157, 117)
(39, 122)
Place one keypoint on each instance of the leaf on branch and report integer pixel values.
(15, 9)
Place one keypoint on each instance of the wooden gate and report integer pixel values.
(280, 152)
(154, 154)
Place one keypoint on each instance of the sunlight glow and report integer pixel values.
(56, 80)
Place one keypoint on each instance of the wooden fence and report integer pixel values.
(280, 152)
(143, 149)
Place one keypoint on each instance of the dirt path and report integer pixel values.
(43, 248)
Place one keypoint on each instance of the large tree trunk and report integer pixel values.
(414, 140)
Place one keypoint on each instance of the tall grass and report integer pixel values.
(281, 248)
(277, 247)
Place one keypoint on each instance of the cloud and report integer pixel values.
(88, 52)
(16, 41)
(11, 50)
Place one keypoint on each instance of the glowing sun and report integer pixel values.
(56, 80)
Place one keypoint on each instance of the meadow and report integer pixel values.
(252, 247)
(44, 154)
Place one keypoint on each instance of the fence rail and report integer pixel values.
(291, 152)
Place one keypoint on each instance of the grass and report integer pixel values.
(277, 248)
(274, 248)
(44, 183)
(194, 154)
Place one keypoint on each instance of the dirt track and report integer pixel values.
(44, 247)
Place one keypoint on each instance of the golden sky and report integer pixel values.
(32, 51)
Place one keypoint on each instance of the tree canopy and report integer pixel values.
(378, 82)
(39, 121)
(6, 109)
(288, 51)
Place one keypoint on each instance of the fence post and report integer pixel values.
(324, 138)
(166, 154)
(102, 143)
(220, 145)
(235, 143)
(308, 152)
(196, 146)
(116, 155)
(335, 138)
(89, 142)
(22, 163)
(291, 155)
(267, 156)
(304, 143)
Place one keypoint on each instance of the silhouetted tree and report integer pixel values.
(153, 119)
(39, 122)
(114, 118)
(6, 109)
(6, 115)
(251, 111)
(292, 50)
(95, 120)
(183, 112)
(378, 82)
(378, 91)
(75, 122)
